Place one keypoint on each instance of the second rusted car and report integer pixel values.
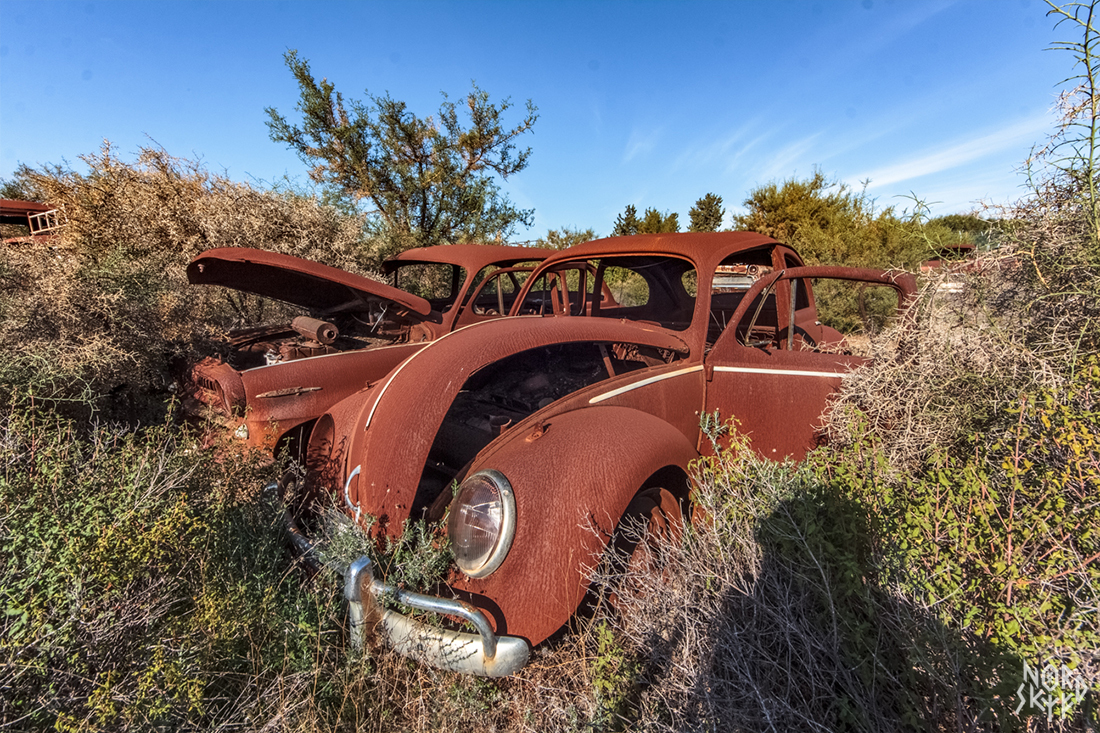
(275, 380)
(582, 410)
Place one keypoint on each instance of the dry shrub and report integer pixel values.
(773, 613)
(160, 202)
(377, 690)
(757, 619)
(107, 297)
(946, 372)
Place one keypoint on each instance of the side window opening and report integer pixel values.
(851, 313)
(802, 299)
(435, 282)
(732, 280)
(847, 315)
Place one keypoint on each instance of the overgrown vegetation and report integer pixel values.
(903, 577)
(899, 579)
(651, 221)
(103, 308)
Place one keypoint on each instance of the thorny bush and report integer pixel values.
(106, 299)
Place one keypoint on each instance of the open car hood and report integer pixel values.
(311, 285)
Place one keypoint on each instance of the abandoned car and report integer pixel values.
(275, 380)
(539, 434)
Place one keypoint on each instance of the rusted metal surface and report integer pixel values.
(472, 257)
(279, 378)
(389, 488)
(41, 220)
(13, 211)
(293, 280)
(592, 401)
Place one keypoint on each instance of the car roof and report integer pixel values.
(705, 249)
(471, 256)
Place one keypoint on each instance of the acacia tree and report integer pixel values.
(428, 180)
(707, 214)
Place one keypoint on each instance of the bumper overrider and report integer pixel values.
(482, 653)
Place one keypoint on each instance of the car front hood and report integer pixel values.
(311, 285)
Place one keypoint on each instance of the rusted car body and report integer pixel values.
(580, 410)
(41, 220)
(275, 380)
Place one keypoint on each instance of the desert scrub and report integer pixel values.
(143, 583)
(1001, 540)
(108, 294)
(762, 616)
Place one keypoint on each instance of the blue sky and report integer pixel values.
(645, 103)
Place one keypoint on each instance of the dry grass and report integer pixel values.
(730, 630)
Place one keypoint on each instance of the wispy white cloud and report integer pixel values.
(956, 155)
(747, 146)
(641, 143)
(967, 190)
(791, 156)
(715, 146)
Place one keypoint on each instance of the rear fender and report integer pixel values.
(573, 476)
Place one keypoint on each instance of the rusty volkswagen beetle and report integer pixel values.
(538, 434)
(275, 380)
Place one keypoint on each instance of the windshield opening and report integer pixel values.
(651, 288)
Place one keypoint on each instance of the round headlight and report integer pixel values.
(482, 523)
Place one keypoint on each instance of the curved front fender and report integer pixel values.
(573, 477)
(403, 415)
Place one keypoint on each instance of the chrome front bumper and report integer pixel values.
(483, 653)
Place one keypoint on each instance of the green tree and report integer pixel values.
(707, 214)
(654, 222)
(651, 222)
(16, 187)
(428, 180)
(968, 223)
(829, 223)
(566, 237)
(626, 223)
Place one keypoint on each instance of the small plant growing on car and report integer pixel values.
(418, 561)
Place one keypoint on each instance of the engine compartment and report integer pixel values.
(304, 336)
(504, 393)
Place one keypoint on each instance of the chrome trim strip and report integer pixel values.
(642, 383)
(323, 356)
(452, 650)
(787, 372)
(347, 496)
(483, 653)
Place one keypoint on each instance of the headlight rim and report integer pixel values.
(507, 524)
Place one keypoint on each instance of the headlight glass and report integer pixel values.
(482, 523)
